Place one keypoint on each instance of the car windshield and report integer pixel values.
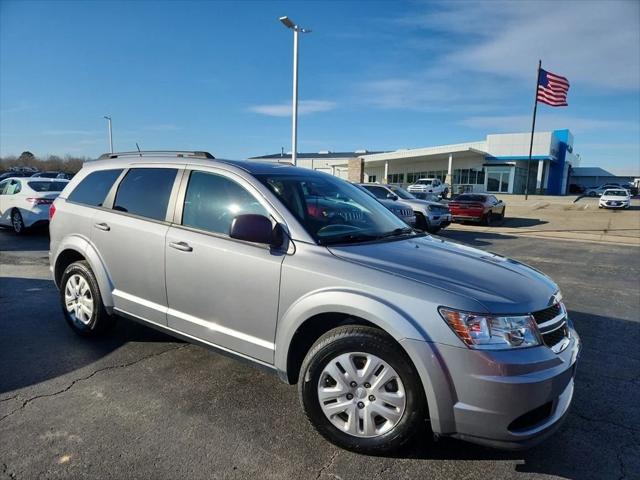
(616, 193)
(424, 182)
(470, 198)
(47, 186)
(333, 211)
(402, 193)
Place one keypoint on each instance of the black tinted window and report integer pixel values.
(145, 192)
(94, 188)
(379, 192)
(212, 201)
(44, 186)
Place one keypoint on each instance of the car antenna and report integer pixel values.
(138, 147)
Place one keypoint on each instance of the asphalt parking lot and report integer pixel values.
(139, 404)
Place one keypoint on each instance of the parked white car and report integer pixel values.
(429, 185)
(598, 191)
(25, 202)
(615, 198)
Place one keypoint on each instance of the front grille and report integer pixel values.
(352, 215)
(554, 333)
(547, 314)
(403, 212)
(551, 339)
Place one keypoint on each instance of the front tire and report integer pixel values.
(360, 390)
(81, 301)
(17, 222)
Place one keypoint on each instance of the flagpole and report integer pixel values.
(533, 127)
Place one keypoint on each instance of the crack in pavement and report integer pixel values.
(632, 430)
(87, 377)
(623, 469)
(328, 465)
(9, 398)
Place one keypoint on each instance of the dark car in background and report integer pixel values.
(477, 207)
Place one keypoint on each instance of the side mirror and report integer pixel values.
(252, 228)
(392, 196)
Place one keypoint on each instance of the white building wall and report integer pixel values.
(517, 144)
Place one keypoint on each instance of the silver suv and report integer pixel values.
(431, 216)
(308, 276)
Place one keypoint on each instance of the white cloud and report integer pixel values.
(284, 109)
(548, 121)
(591, 43)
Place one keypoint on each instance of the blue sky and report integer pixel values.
(374, 75)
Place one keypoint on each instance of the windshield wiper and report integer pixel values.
(349, 238)
(397, 232)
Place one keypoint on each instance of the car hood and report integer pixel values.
(500, 284)
(422, 204)
(614, 197)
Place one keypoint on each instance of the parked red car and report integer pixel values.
(476, 207)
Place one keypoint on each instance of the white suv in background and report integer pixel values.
(429, 185)
(25, 202)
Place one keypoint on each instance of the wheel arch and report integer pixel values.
(317, 313)
(78, 248)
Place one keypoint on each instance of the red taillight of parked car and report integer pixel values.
(39, 201)
(52, 210)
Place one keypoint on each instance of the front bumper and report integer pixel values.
(491, 398)
(439, 220)
(614, 204)
(466, 218)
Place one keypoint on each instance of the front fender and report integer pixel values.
(389, 318)
(82, 245)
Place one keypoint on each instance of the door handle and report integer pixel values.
(182, 246)
(102, 226)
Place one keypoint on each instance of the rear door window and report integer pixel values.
(93, 189)
(145, 192)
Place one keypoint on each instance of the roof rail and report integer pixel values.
(157, 153)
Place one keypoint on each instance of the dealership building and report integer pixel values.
(496, 164)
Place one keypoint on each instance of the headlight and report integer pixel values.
(487, 332)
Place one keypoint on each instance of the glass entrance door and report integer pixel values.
(498, 179)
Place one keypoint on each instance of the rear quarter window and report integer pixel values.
(93, 189)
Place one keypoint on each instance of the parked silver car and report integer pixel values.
(430, 216)
(309, 277)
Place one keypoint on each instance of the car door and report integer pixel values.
(129, 235)
(221, 290)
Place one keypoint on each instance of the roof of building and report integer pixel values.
(590, 172)
(323, 154)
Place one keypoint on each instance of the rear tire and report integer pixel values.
(376, 426)
(17, 222)
(592, 194)
(487, 219)
(81, 301)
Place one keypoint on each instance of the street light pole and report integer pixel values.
(287, 22)
(108, 118)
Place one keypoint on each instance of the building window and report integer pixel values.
(372, 179)
(395, 178)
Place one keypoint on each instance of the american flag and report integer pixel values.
(552, 89)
